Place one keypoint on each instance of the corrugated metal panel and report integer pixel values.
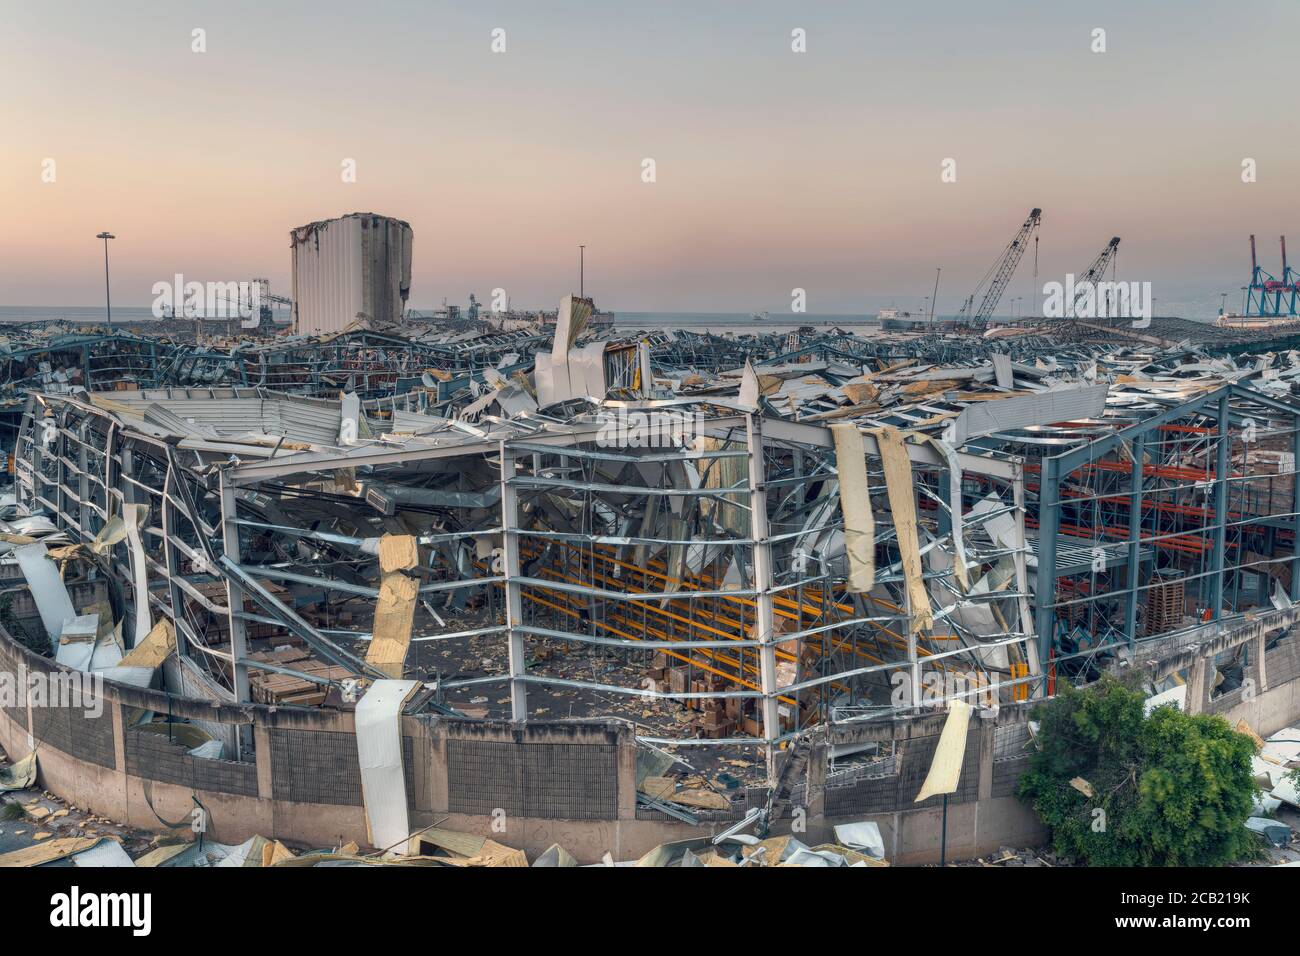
(229, 416)
(304, 419)
(416, 422)
(312, 423)
(1044, 408)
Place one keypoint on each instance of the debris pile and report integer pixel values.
(725, 541)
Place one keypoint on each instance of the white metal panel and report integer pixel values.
(133, 516)
(1045, 408)
(306, 421)
(104, 853)
(327, 275)
(47, 586)
(378, 719)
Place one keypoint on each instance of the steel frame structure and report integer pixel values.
(726, 554)
(1174, 497)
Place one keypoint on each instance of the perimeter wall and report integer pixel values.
(572, 783)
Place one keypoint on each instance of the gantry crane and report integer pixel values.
(1269, 296)
(1000, 274)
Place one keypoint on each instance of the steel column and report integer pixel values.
(175, 596)
(1221, 469)
(1049, 521)
(1295, 507)
(84, 514)
(1134, 540)
(234, 597)
(514, 600)
(764, 616)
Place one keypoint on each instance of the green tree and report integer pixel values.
(1169, 789)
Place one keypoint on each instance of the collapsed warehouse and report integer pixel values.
(728, 548)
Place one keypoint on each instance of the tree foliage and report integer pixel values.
(1169, 789)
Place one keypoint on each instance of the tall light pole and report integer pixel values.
(582, 256)
(934, 296)
(108, 299)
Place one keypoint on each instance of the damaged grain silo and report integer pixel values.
(354, 271)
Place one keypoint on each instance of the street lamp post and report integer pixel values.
(108, 299)
(934, 296)
(582, 257)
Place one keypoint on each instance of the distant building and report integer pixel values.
(349, 272)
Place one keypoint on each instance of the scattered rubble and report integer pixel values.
(725, 541)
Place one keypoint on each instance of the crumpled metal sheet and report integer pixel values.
(20, 775)
(945, 768)
(855, 503)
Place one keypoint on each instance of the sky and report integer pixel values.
(773, 169)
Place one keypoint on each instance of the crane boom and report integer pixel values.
(1095, 273)
(1001, 271)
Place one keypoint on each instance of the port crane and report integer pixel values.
(1000, 273)
(1270, 296)
(1094, 274)
(259, 294)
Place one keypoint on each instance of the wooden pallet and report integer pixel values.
(269, 687)
(1166, 605)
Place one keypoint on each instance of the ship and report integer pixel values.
(892, 318)
(509, 319)
(1250, 323)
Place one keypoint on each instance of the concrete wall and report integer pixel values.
(1272, 701)
(571, 783)
(983, 814)
(1269, 696)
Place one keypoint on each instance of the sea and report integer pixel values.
(692, 321)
